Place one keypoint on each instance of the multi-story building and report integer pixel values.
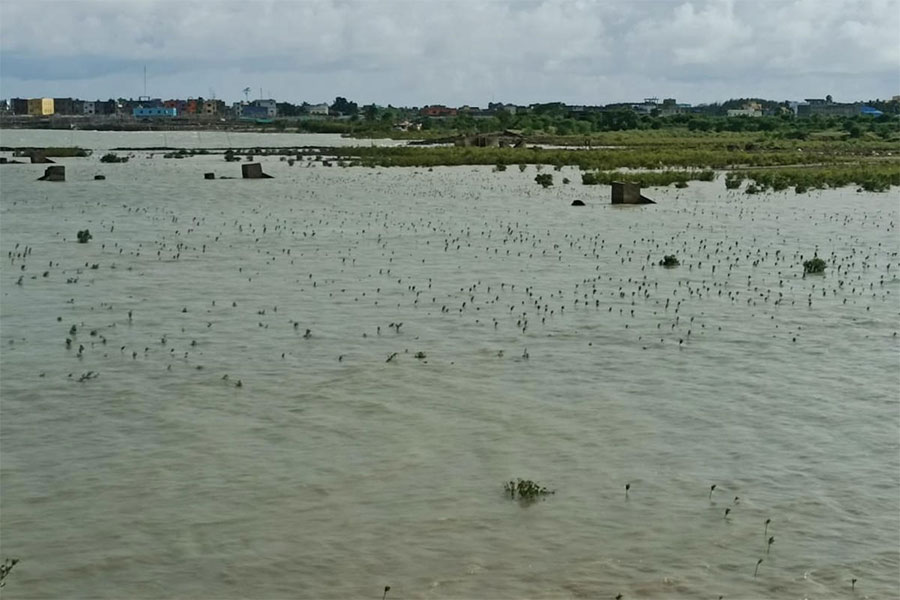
(63, 106)
(89, 108)
(40, 107)
(318, 109)
(827, 108)
(213, 107)
(19, 106)
(153, 111)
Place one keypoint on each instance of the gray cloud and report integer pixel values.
(421, 51)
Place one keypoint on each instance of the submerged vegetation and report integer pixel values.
(870, 177)
(647, 178)
(526, 489)
(112, 157)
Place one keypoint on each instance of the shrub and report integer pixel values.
(527, 490)
(84, 236)
(112, 157)
(669, 261)
(814, 265)
(544, 179)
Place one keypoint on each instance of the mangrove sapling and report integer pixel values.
(766, 530)
(756, 570)
(387, 588)
(545, 180)
(527, 490)
(669, 261)
(814, 266)
(627, 487)
(84, 236)
(853, 584)
(769, 544)
(712, 488)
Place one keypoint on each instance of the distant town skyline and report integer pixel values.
(408, 53)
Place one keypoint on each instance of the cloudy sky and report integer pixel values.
(416, 52)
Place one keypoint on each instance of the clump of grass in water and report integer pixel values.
(527, 490)
(814, 266)
(669, 261)
(544, 179)
(84, 236)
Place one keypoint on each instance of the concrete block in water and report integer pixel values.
(37, 157)
(628, 193)
(253, 171)
(57, 173)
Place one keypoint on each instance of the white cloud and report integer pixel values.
(467, 51)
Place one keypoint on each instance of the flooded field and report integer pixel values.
(316, 385)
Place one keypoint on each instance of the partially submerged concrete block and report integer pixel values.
(37, 157)
(253, 171)
(628, 193)
(57, 173)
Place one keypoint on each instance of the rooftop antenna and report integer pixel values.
(145, 80)
(247, 94)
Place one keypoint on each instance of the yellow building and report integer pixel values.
(40, 106)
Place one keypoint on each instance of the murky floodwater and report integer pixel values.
(133, 465)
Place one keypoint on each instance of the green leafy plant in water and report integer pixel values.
(84, 236)
(112, 157)
(526, 490)
(669, 261)
(814, 265)
(544, 179)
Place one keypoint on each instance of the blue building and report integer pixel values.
(160, 111)
(870, 111)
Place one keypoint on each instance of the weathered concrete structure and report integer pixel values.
(253, 171)
(628, 193)
(55, 173)
(37, 157)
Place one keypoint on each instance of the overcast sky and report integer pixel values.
(452, 52)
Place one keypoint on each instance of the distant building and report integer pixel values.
(870, 111)
(39, 107)
(438, 110)
(252, 111)
(64, 106)
(751, 108)
(213, 107)
(89, 108)
(269, 105)
(153, 111)
(318, 109)
(827, 108)
(19, 106)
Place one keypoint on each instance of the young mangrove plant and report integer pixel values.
(112, 157)
(544, 179)
(526, 489)
(669, 261)
(814, 266)
(84, 236)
